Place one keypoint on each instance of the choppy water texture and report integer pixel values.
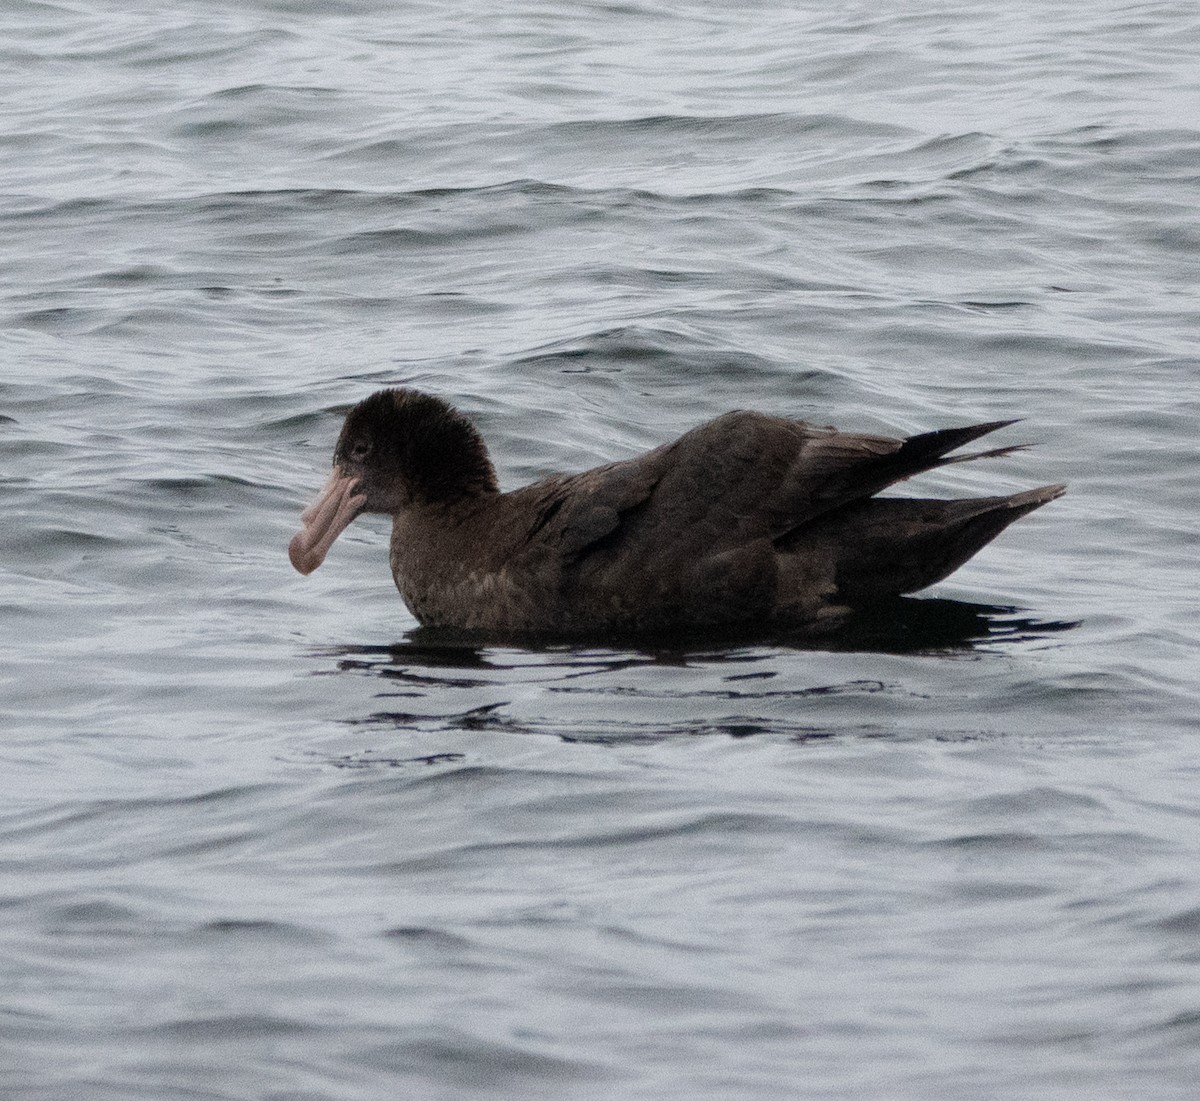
(261, 839)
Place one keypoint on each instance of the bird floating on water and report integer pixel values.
(747, 520)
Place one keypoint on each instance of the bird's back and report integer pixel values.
(748, 518)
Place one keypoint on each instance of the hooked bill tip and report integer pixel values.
(300, 556)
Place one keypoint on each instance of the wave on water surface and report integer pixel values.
(261, 842)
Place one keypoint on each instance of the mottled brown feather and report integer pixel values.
(746, 519)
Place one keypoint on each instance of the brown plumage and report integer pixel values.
(746, 520)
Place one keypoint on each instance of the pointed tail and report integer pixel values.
(891, 546)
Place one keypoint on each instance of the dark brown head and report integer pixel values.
(399, 449)
(406, 448)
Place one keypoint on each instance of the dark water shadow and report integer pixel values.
(907, 625)
(916, 625)
(435, 683)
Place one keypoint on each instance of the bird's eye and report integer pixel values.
(360, 450)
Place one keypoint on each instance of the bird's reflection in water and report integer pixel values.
(906, 625)
(437, 685)
(915, 625)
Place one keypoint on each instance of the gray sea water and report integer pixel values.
(261, 839)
